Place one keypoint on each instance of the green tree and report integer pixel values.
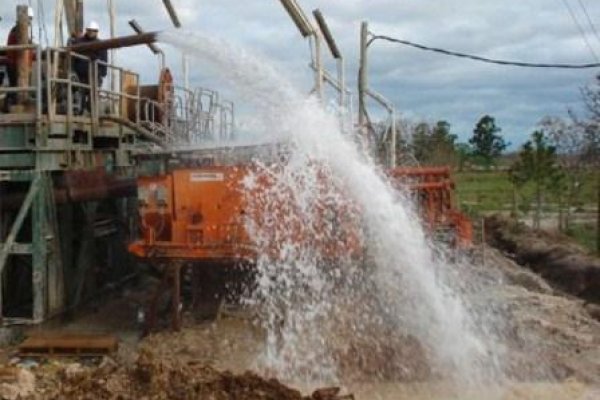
(487, 144)
(591, 153)
(537, 163)
(420, 142)
(464, 152)
(569, 140)
(434, 145)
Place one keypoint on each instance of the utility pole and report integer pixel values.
(362, 80)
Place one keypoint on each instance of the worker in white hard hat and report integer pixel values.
(81, 66)
(12, 57)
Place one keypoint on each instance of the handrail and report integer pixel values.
(187, 116)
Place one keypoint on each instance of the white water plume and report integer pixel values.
(314, 312)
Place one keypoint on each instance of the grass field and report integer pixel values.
(487, 192)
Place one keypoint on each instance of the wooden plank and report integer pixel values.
(69, 345)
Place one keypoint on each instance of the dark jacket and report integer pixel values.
(12, 56)
(80, 66)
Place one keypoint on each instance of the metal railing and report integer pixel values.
(59, 94)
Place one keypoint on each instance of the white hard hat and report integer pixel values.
(92, 26)
(30, 12)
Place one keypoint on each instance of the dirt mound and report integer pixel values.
(392, 357)
(152, 378)
(560, 262)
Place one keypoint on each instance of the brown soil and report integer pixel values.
(152, 378)
(555, 258)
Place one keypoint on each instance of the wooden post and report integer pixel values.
(24, 56)
(176, 296)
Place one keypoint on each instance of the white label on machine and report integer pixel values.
(207, 177)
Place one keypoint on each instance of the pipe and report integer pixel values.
(172, 13)
(153, 47)
(298, 17)
(138, 29)
(73, 193)
(335, 52)
(115, 43)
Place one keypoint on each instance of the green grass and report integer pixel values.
(492, 191)
(584, 234)
(487, 192)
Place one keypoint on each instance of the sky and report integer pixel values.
(422, 85)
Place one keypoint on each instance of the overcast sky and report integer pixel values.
(422, 85)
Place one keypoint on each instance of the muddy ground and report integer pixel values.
(551, 351)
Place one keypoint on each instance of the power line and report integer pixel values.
(482, 59)
(581, 30)
(589, 20)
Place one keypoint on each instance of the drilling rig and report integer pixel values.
(68, 175)
(88, 194)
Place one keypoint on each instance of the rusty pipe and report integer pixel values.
(113, 188)
(114, 43)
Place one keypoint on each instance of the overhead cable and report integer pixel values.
(581, 30)
(482, 59)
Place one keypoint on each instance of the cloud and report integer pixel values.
(420, 84)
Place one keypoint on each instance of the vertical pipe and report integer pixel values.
(113, 52)
(38, 87)
(79, 16)
(362, 79)
(342, 81)
(58, 15)
(342, 99)
(393, 138)
(186, 72)
(319, 66)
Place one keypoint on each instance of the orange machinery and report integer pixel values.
(195, 218)
(433, 189)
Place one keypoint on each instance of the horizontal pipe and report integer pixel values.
(113, 188)
(114, 43)
(419, 171)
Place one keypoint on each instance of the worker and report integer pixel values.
(12, 57)
(80, 66)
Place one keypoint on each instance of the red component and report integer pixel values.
(433, 188)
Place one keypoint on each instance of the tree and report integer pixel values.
(488, 145)
(569, 140)
(537, 163)
(464, 152)
(434, 145)
(591, 151)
